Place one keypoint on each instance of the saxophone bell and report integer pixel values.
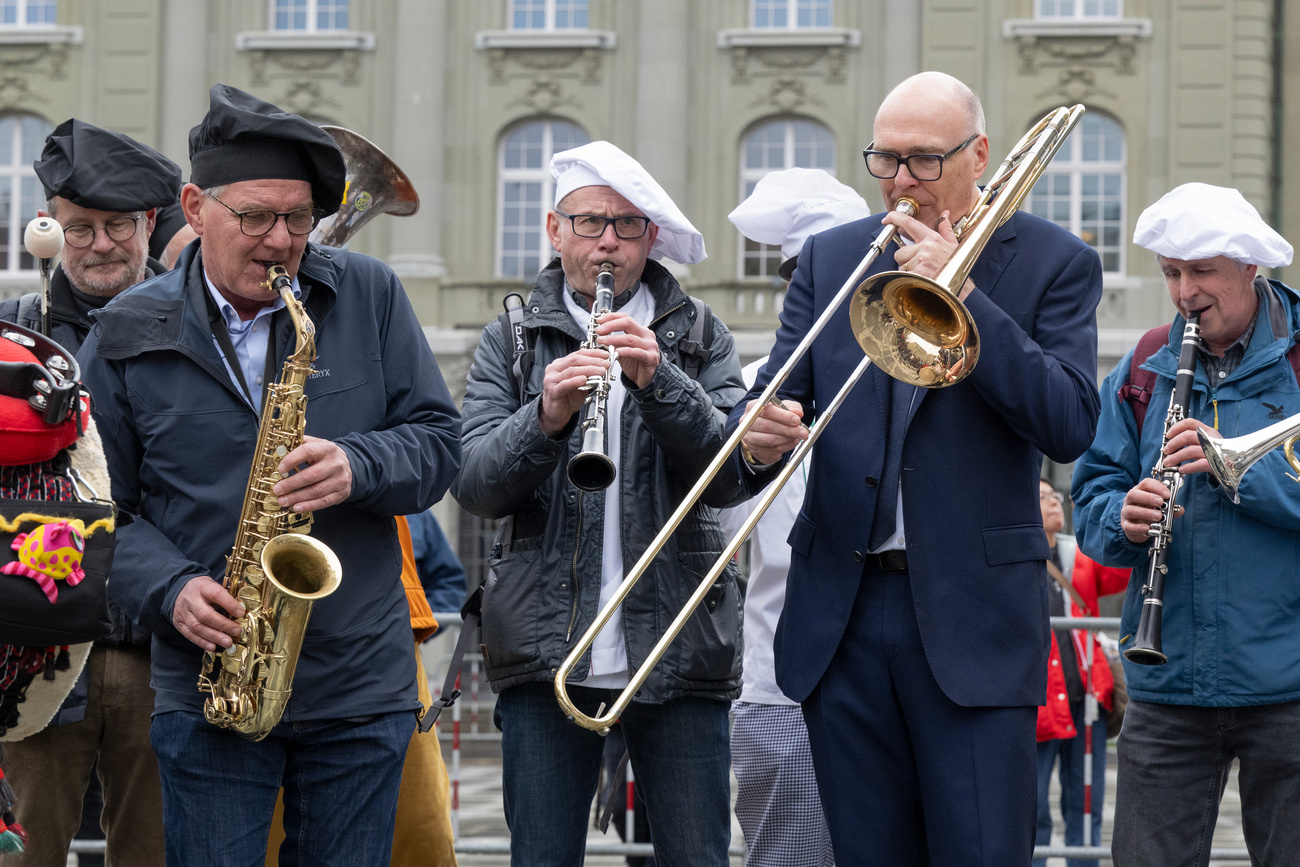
(591, 469)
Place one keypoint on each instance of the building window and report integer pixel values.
(28, 13)
(21, 140)
(309, 16)
(1079, 9)
(1082, 190)
(548, 14)
(791, 14)
(782, 144)
(525, 192)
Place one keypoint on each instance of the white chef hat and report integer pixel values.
(788, 206)
(1201, 221)
(601, 164)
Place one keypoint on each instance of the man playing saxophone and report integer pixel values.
(1231, 598)
(180, 366)
(561, 551)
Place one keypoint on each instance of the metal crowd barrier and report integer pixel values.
(472, 671)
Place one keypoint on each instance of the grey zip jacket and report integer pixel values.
(547, 553)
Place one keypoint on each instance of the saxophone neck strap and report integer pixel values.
(217, 325)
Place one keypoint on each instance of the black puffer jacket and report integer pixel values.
(547, 555)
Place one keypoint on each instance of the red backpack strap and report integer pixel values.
(1137, 391)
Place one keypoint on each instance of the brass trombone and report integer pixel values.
(1229, 459)
(914, 328)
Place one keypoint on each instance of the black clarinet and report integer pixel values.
(1146, 643)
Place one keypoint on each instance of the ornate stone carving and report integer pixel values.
(496, 59)
(740, 66)
(545, 94)
(53, 56)
(1116, 52)
(15, 90)
(341, 65)
(592, 58)
(787, 94)
(1077, 84)
(750, 62)
(584, 64)
(305, 97)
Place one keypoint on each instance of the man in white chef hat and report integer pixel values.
(561, 550)
(1231, 685)
(777, 804)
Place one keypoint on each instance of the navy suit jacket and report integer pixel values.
(971, 461)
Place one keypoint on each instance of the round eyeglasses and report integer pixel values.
(923, 167)
(259, 222)
(117, 229)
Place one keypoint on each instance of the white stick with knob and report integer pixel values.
(43, 238)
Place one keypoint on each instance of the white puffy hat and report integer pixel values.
(601, 164)
(1201, 221)
(788, 206)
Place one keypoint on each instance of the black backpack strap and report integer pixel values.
(29, 311)
(518, 339)
(695, 349)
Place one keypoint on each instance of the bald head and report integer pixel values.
(937, 94)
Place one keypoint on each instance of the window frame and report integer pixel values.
(542, 175)
(1078, 14)
(550, 15)
(792, 15)
(1069, 161)
(312, 12)
(750, 176)
(16, 172)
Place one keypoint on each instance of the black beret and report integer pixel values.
(105, 171)
(786, 269)
(243, 138)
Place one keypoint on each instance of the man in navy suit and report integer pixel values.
(915, 630)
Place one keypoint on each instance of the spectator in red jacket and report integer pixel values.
(1069, 679)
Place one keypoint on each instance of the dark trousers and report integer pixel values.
(1173, 767)
(907, 777)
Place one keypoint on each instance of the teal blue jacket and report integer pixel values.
(1231, 621)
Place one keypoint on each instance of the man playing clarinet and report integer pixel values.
(1230, 687)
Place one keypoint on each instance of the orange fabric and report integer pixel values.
(423, 623)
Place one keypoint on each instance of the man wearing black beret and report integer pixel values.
(179, 411)
(103, 187)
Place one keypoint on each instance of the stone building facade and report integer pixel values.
(471, 98)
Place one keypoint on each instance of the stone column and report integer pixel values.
(418, 104)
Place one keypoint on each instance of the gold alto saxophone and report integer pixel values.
(274, 569)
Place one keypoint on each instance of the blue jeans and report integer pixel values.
(1173, 767)
(1070, 752)
(680, 752)
(340, 780)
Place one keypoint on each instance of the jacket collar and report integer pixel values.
(546, 308)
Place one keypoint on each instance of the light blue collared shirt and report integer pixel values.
(249, 339)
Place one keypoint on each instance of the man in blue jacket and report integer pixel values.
(179, 366)
(915, 629)
(1231, 687)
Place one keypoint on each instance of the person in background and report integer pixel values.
(1074, 583)
(1231, 686)
(441, 574)
(777, 803)
(104, 188)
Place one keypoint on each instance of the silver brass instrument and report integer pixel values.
(591, 469)
(915, 329)
(375, 185)
(273, 569)
(1229, 459)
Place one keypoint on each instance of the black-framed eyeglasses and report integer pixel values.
(260, 221)
(117, 229)
(593, 225)
(923, 167)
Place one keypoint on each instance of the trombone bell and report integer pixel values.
(1229, 459)
(914, 329)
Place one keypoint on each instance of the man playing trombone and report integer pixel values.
(561, 548)
(915, 628)
(1230, 687)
